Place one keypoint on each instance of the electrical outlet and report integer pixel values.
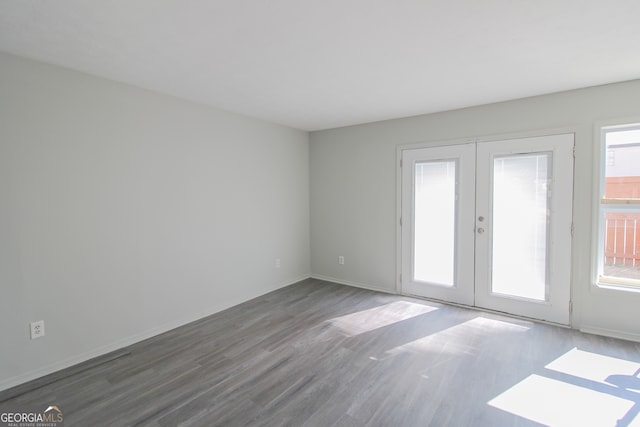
(37, 329)
(277, 262)
(341, 260)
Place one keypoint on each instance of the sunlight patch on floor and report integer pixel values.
(596, 367)
(456, 339)
(557, 403)
(588, 389)
(378, 317)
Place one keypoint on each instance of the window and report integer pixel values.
(619, 231)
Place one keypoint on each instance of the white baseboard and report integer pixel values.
(613, 333)
(125, 342)
(350, 283)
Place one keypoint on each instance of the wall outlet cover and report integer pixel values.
(37, 329)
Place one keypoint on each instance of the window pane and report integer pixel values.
(435, 218)
(622, 169)
(621, 207)
(520, 225)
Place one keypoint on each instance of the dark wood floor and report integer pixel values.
(322, 354)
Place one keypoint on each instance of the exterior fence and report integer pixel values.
(622, 239)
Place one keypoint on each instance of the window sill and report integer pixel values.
(619, 285)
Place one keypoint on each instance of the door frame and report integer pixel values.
(477, 139)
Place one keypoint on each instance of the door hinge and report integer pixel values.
(400, 278)
(570, 306)
(400, 221)
(572, 229)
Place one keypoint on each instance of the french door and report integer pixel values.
(488, 224)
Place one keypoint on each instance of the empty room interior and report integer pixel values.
(336, 213)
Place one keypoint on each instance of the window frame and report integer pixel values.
(600, 208)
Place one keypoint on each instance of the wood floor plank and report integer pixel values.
(322, 354)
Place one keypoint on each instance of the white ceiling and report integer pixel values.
(329, 63)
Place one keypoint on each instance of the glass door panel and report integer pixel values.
(520, 225)
(435, 222)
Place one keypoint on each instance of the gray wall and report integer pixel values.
(353, 190)
(124, 213)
